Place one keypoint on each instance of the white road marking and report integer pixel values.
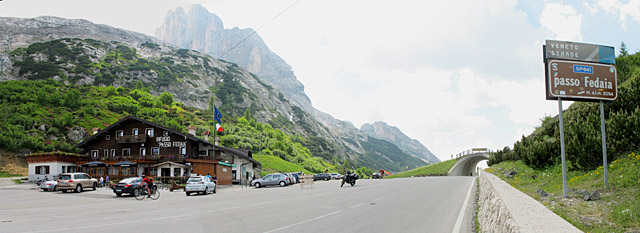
(232, 208)
(357, 205)
(306, 221)
(112, 224)
(378, 198)
(456, 228)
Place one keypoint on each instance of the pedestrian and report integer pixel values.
(215, 178)
(106, 180)
(101, 181)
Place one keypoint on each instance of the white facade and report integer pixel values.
(243, 169)
(41, 171)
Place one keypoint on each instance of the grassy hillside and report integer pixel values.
(433, 169)
(38, 116)
(276, 164)
(583, 142)
(145, 72)
(536, 159)
(618, 210)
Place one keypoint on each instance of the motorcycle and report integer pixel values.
(350, 179)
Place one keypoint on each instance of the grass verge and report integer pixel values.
(429, 170)
(618, 209)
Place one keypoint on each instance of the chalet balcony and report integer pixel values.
(132, 139)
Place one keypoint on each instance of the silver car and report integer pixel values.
(200, 184)
(76, 181)
(271, 179)
(49, 185)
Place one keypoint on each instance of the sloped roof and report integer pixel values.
(243, 153)
(132, 118)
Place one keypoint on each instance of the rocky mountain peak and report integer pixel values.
(204, 31)
(382, 130)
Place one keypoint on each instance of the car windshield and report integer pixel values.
(194, 179)
(129, 180)
(65, 177)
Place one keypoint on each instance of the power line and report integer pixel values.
(255, 31)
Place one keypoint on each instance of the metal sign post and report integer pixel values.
(562, 151)
(604, 147)
(580, 72)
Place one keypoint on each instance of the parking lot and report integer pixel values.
(399, 205)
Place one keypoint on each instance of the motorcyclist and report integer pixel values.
(346, 177)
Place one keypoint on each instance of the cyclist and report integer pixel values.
(146, 184)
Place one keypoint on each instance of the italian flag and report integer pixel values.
(218, 127)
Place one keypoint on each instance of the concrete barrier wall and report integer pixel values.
(505, 209)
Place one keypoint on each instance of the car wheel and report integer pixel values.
(78, 188)
(119, 194)
(44, 190)
(94, 186)
(257, 185)
(282, 184)
(188, 193)
(55, 188)
(136, 192)
(206, 190)
(326, 178)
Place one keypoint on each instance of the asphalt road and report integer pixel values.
(430, 204)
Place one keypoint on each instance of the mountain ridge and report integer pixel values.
(208, 35)
(393, 134)
(189, 75)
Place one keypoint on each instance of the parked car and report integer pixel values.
(296, 176)
(130, 185)
(49, 185)
(200, 184)
(335, 176)
(376, 176)
(291, 179)
(76, 181)
(321, 176)
(271, 179)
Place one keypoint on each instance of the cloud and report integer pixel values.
(563, 21)
(629, 10)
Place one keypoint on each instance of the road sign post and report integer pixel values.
(604, 147)
(562, 151)
(580, 72)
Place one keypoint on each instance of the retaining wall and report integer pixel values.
(505, 209)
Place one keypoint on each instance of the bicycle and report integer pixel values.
(142, 193)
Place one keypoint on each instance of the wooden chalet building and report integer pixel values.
(133, 146)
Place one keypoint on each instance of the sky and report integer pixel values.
(453, 74)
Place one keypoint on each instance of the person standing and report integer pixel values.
(101, 181)
(106, 180)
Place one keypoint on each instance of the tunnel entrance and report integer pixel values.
(467, 165)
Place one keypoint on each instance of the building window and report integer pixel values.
(42, 170)
(165, 133)
(143, 151)
(155, 150)
(126, 151)
(150, 132)
(108, 137)
(135, 131)
(119, 134)
(106, 152)
(183, 150)
(113, 152)
(94, 153)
